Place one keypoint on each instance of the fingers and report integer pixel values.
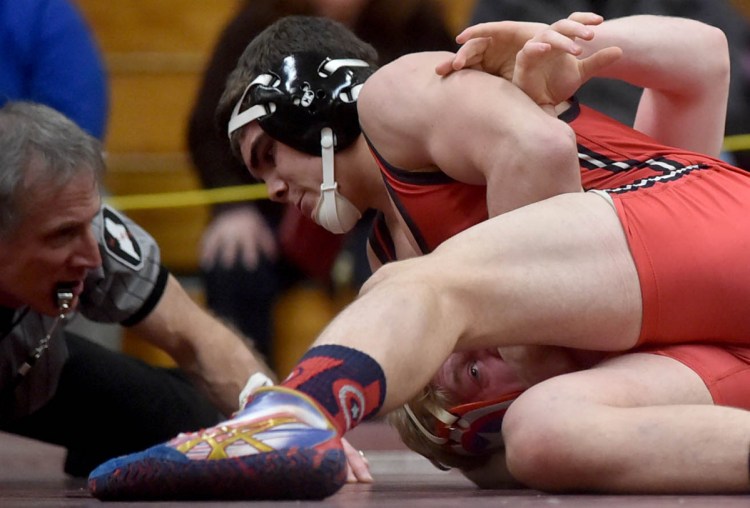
(572, 29)
(445, 67)
(454, 63)
(492, 28)
(230, 253)
(587, 18)
(479, 30)
(532, 49)
(267, 244)
(561, 37)
(469, 55)
(593, 64)
(562, 34)
(358, 468)
(492, 46)
(209, 249)
(557, 40)
(359, 471)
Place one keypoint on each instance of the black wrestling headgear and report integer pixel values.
(306, 93)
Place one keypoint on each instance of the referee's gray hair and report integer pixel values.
(39, 137)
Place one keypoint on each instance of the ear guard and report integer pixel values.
(306, 93)
(468, 429)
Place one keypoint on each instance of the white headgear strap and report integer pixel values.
(238, 119)
(333, 212)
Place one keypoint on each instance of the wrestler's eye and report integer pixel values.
(267, 154)
(474, 370)
(270, 154)
(262, 156)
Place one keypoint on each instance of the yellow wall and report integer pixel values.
(155, 52)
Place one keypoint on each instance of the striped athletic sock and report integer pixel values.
(347, 383)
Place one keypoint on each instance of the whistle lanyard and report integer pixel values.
(38, 351)
(64, 298)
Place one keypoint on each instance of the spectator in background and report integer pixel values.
(248, 258)
(48, 55)
(619, 99)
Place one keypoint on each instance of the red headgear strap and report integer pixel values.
(468, 429)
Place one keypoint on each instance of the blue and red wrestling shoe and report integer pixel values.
(281, 446)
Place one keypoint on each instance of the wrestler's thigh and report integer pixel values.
(630, 380)
(557, 272)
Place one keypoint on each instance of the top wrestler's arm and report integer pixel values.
(686, 79)
(214, 356)
(683, 66)
(473, 126)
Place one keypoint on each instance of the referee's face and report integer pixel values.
(53, 247)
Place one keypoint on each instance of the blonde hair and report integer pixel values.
(421, 411)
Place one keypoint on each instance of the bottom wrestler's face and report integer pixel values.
(53, 246)
(471, 376)
(291, 176)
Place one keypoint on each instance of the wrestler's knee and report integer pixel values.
(385, 274)
(541, 441)
(411, 275)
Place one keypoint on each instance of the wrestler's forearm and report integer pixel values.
(686, 78)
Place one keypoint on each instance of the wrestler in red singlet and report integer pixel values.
(693, 279)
